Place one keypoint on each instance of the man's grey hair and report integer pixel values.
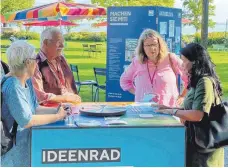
(48, 34)
(17, 53)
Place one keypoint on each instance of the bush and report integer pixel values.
(187, 38)
(86, 36)
(7, 34)
(213, 38)
(216, 38)
(21, 35)
(28, 35)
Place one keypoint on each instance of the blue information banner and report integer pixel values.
(89, 147)
(125, 24)
(169, 26)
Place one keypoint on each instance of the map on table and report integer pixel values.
(135, 114)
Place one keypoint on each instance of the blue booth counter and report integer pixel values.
(143, 140)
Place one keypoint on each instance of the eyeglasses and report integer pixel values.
(58, 42)
(151, 45)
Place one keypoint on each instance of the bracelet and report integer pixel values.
(174, 111)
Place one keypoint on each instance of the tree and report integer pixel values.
(8, 6)
(15, 5)
(106, 3)
(192, 10)
(69, 28)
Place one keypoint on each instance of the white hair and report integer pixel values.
(48, 34)
(17, 53)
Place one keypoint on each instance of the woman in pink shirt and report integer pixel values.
(154, 70)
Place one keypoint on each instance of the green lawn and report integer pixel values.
(221, 61)
(73, 53)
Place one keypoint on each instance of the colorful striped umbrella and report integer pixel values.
(58, 10)
(51, 23)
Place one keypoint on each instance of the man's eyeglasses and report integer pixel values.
(58, 42)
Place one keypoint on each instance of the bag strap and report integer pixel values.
(14, 130)
(5, 67)
(174, 70)
(215, 90)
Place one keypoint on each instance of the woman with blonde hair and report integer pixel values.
(154, 70)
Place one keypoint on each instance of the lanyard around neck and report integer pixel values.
(151, 79)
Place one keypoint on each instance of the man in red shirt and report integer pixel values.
(53, 80)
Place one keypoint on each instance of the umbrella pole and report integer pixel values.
(60, 26)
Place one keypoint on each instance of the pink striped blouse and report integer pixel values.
(163, 84)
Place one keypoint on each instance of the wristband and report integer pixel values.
(174, 112)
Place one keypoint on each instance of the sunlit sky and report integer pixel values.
(221, 11)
